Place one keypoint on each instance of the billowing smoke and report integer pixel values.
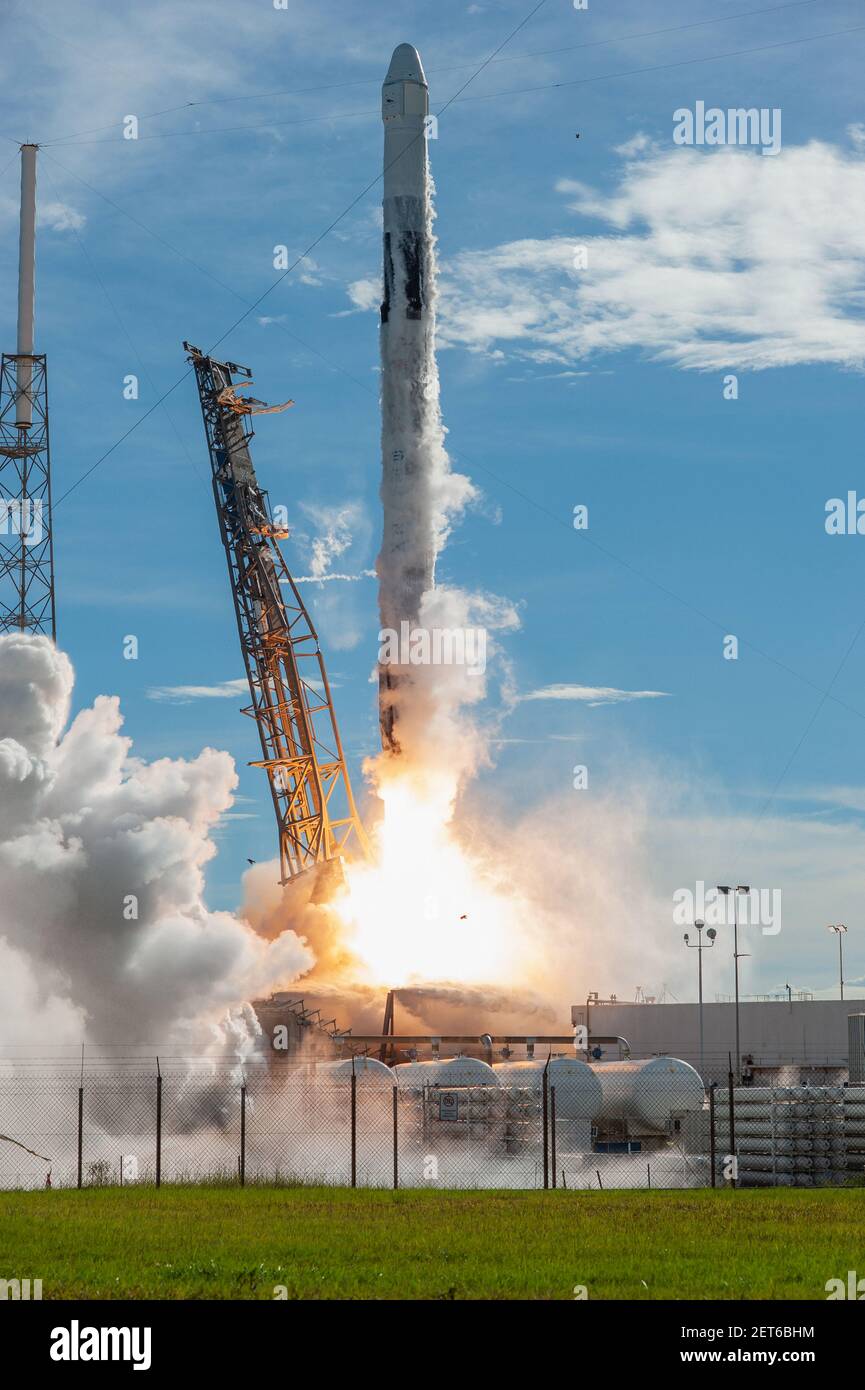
(102, 860)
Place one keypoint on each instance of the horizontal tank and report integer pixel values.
(579, 1094)
(648, 1093)
(455, 1071)
(368, 1070)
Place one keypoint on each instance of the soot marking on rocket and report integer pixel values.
(412, 250)
(388, 278)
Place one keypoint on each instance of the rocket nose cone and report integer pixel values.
(405, 65)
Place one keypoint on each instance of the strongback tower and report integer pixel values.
(26, 540)
(291, 702)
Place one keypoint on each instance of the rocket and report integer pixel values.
(411, 423)
(404, 110)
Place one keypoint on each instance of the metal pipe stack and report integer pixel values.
(786, 1136)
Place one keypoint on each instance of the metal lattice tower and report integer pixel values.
(26, 539)
(291, 703)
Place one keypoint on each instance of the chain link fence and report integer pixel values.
(450, 1124)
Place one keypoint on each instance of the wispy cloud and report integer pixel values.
(335, 529)
(364, 294)
(837, 798)
(53, 215)
(592, 694)
(339, 532)
(185, 694)
(225, 690)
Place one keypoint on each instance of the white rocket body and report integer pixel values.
(412, 436)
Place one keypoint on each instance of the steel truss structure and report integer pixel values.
(301, 748)
(26, 532)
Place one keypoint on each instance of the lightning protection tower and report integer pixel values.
(291, 703)
(26, 536)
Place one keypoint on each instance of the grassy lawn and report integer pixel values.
(224, 1242)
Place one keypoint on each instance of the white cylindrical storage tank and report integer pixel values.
(450, 1073)
(459, 1098)
(368, 1070)
(579, 1094)
(648, 1093)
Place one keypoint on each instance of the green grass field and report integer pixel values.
(225, 1243)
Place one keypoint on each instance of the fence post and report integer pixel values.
(545, 1105)
(712, 1131)
(81, 1136)
(353, 1125)
(553, 1132)
(395, 1144)
(243, 1135)
(731, 1103)
(158, 1125)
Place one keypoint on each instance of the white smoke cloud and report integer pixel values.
(85, 829)
(436, 729)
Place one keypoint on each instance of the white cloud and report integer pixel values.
(52, 215)
(839, 798)
(185, 694)
(592, 695)
(636, 145)
(339, 531)
(309, 272)
(336, 528)
(761, 265)
(364, 294)
(60, 217)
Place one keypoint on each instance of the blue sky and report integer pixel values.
(601, 387)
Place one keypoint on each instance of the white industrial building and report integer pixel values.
(782, 1042)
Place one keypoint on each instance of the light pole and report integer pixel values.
(700, 948)
(840, 931)
(726, 889)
